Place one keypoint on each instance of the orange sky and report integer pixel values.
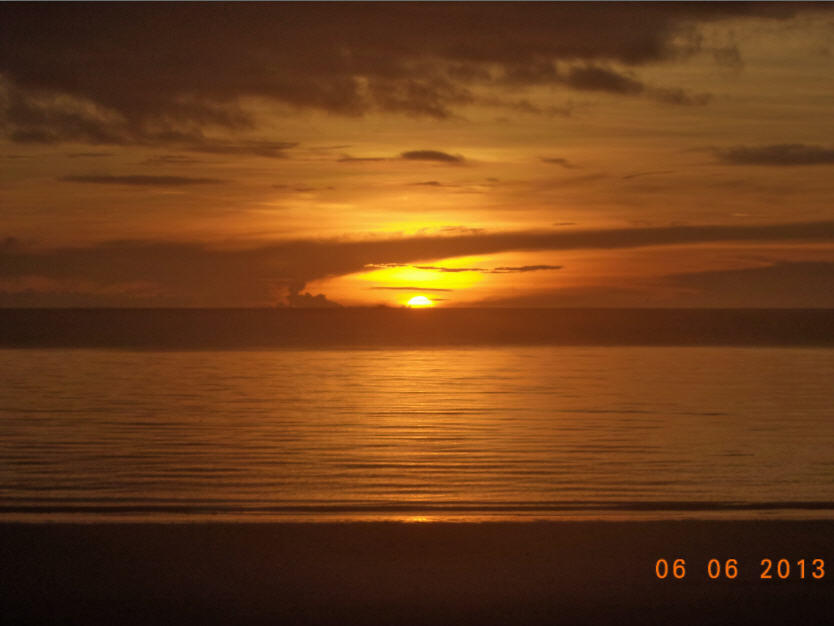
(497, 154)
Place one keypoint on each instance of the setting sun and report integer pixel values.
(420, 302)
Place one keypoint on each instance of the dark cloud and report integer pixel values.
(439, 185)
(494, 270)
(9, 243)
(678, 96)
(90, 155)
(141, 180)
(794, 284)
(524, 268)
(613, 296)
(299, 300)
(780, 154)
(728, 56)
(558, 161)
(525, 106)
(804, 284)
(136, 73)
(51, 118)
(533, 72)
(172, 159)
(301, 188)
(411, 155)
(652, 173)
(430, 97)
(418, 288)
(329, 148)
(450, 270)
(47, 118)
(378, 266)
(200, 275)
(595, 78)
(269, 149)
(601, 79)
(431, 155)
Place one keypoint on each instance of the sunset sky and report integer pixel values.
(491, 154)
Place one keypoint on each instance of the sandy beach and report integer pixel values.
(411, 573)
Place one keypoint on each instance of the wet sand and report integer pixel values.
(417, 573)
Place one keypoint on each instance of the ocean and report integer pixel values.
(455, 433)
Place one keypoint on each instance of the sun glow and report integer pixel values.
(420, 302)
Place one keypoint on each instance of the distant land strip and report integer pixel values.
(355, 328)
(426, 507)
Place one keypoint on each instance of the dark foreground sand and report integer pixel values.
(366, 573)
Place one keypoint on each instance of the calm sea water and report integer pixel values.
(478, 433)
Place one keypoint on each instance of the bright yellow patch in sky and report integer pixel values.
(410, 275)
(420, 302)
